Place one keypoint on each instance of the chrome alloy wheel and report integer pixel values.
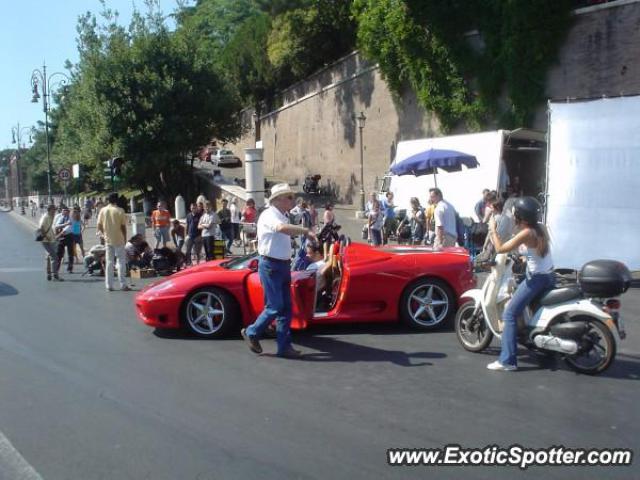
(205, 313)
(428, 304)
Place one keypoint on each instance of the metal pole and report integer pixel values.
(361, 172)
(45, 103)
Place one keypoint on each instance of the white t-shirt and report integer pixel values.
(320, 279)
(377, 219)
(445, 216)
(212, 219)
(235, 213)
(271, 243)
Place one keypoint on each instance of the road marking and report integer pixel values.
(19, 269)
(13, 465)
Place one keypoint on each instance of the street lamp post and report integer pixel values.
(360, 121)
(39, 77)
(16, 137)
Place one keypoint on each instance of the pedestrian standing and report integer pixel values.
(64, 234)
(376, 222)
(161, 221)
(77, 227)
(49, 243)
(207, 226)
(99, 206)
(480, 207)
(416, 221)
(274, 247)
(112, 224)
(235, 221)
(178, 234)
(313, 212)
(388, 209)
(445, 220)
(194, 234)
(248, 219)
(328, 217)
(226, 228)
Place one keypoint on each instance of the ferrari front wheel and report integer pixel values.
(427, 304)
(210, 313)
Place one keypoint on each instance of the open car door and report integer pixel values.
(303, 289)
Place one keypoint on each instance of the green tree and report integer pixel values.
(305, 39)
(146, 94)
(424, 44)
(215, 22)
(246, 63)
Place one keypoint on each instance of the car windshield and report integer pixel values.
(240, 262)
(226, 152)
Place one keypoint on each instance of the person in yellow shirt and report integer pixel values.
(112, 224)
(431, 224)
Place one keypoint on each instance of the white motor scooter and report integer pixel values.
(576, 321)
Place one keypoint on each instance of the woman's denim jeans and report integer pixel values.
(526, 291)
(275, 277)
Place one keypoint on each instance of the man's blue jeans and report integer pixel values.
(523, 295)
(275, 277)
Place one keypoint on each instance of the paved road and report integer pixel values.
(86, 392)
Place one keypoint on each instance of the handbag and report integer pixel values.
(365, 232)
(39, 235)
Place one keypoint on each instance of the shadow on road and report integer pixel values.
(7, 290)
(334, 350)
(372, 329)
(624, 367)
(67, 278)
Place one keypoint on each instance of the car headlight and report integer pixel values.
(161, 287)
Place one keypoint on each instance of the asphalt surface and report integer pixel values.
(87, 392)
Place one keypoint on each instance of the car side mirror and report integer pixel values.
(253, 265)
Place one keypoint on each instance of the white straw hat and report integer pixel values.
(280, 189)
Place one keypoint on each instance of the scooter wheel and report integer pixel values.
(597, 348)
(472, 330)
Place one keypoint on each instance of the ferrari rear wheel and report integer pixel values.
(210, 313)
(427, 304)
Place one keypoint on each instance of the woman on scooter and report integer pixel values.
(533, 237)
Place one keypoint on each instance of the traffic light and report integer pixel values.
(108, 171)
(113, 170)
(116, 166)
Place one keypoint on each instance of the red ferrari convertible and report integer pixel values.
(414, 285)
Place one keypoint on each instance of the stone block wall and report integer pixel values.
(314, 132)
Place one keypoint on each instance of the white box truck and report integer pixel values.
(504, 157)
(587, 174)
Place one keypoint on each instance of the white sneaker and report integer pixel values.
(500, 367)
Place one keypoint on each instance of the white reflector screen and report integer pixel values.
(593, 204)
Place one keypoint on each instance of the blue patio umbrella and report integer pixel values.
(427, 162)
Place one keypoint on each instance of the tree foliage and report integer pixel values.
(307, 38)
(143, 93)
(268, 44)
(245, 62)
(425, 44)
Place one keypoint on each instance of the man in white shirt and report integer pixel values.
(274, 247)
(50, 243)
(208, 223)
(445, 220)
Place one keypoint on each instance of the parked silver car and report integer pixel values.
(225, 158)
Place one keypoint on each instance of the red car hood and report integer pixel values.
(213, 265)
